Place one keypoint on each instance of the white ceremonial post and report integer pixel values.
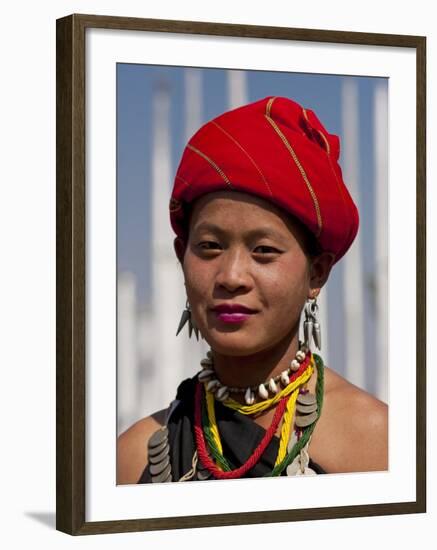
(193, 350)
(237, 88)
(193, 101)
(352, 262)
(166, 295)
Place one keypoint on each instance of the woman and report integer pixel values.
(261, 214)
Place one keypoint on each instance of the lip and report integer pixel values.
(233, 313)
(232, 308)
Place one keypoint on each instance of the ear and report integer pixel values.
(319, 272)
(179, 247)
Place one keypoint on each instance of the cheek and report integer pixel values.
(197, 277)
(287, 286)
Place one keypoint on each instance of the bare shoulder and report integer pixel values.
(352, 433)
(132, 447)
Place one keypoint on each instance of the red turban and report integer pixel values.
(279, 151)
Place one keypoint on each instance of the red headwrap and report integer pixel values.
(279, 151)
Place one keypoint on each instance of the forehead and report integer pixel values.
(236, 208)
(243, 214)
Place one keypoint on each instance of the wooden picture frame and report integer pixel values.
(71, 295)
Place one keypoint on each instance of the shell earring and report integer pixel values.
(311, 325)
(186, 317)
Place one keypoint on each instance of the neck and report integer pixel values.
(256, 368)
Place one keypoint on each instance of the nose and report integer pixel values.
(233, 273)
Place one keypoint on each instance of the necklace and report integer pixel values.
(307, 431)
(303, 414)
(298, 379)
(292, 391)
(258, 392)
(253, 459)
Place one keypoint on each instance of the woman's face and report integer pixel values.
(246, 254)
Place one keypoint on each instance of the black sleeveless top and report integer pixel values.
(239, 437)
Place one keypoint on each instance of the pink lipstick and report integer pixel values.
(233, 317)
(233, 313)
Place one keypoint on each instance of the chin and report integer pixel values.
(233, 343)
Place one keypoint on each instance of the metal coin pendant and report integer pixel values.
(163, 476)
(306, 409)
(156, 469)
(302, 421)
(153, 451)
(158, 437)
(306, 398)
(154, 459)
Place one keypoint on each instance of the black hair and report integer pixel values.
(310, 243)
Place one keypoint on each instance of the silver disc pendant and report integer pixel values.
(159, 457)
(306, 409)
(164, 476)
(156, 469)
(158, 437)
(306, 398)
(304, 420)
(153, 451)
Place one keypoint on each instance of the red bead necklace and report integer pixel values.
(256, 455)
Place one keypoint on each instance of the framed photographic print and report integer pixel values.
(146, 111)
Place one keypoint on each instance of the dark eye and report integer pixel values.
(208, 245)
(264, 249)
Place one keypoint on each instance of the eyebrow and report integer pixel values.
(257, 232)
